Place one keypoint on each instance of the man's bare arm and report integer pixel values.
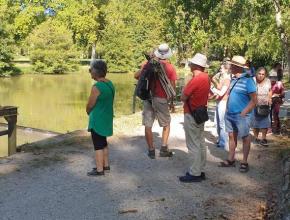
(251, 105)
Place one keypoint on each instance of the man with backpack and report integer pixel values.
(155, 104)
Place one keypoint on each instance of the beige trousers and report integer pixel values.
(195, 142)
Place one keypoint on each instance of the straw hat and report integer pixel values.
(239, 61)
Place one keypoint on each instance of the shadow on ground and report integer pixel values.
(49, 181)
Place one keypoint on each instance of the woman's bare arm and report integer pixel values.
(92, 99)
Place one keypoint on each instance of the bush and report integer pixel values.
(51, 49)
(6, 52)
(214, 67)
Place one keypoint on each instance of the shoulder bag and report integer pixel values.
(199, 114)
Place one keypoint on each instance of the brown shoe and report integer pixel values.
(164, 152)
(151, 154)
(94, 172)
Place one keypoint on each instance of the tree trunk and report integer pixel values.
(180, 53)
(93, 55)
(283, 35)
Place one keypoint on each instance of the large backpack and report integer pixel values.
(153, 70)
(143, 90)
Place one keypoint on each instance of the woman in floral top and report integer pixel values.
(264, 95)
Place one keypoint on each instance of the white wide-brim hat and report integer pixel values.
(163, 52)
(273, 73)
(239, 61)
(199, 59)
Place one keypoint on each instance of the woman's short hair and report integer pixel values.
(100, 67)
(279, 74)
(276, 65)
(262, 68)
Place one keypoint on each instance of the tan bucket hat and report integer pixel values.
(239, 61)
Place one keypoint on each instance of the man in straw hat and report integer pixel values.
(195, 95)
(158, 107)
(242, 99)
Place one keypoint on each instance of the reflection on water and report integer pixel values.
(57, 102)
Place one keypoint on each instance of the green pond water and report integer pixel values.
(57, 102)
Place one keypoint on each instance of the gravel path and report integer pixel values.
(48, 181)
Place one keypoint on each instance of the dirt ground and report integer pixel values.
(48, 180)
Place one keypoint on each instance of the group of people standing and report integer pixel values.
(265, 115)
(237, 94)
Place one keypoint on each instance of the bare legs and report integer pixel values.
(165, 135)
(106, 156)
(102, 159)
(233, 145)
(246, 148)
(263, 131)
(256, 132)
(149, 136)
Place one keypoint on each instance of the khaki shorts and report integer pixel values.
(158, 109)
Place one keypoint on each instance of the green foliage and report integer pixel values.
(214, 67)
(6, 45)
(129, 32)
(5, 51)
(52, 49)
(120, 31)
(226, 28)
(82, 19)
(27, 20)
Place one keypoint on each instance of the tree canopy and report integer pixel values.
(121, 30)
(51, 48)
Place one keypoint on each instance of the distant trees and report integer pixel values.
(132, 28)
(119, 31)
(52, 49)
(225, 28)
(82, 19)
(6, 51)
(6, 44)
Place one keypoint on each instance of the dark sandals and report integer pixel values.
(227, 163)
(105, 168)
(244, 167)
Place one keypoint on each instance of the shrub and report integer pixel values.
(6, 52)
(214, 67)
(51, 48)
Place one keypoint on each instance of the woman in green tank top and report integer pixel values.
(100, 111)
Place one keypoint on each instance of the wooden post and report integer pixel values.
(134, 99)
(10, 115)
(11, 134)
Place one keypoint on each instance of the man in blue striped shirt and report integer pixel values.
(242, 99)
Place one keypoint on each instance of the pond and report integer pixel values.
(57, 102)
